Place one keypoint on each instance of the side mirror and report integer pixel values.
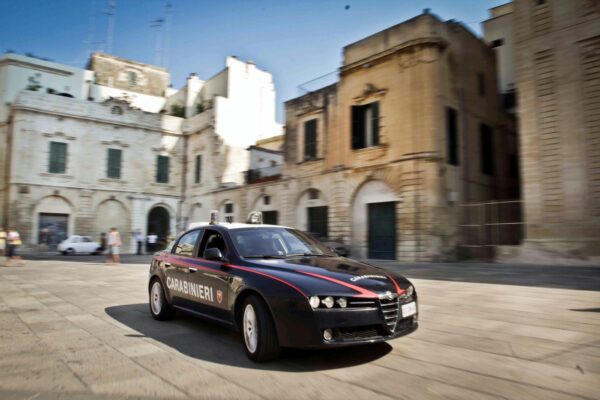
(213, 254)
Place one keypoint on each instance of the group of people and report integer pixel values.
(10, 240)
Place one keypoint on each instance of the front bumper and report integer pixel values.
(356, 326)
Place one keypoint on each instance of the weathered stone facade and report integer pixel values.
(558, 58)
(413, 71)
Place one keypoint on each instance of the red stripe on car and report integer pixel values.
(398, 289)
(363, 292)
(268, 276)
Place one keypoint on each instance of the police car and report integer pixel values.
(279, 287)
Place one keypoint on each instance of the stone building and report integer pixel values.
(382, 159)
(557, 62)
(113, 145)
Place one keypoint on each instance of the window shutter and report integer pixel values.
(162, 169)
(375, 122)
(58, 158)
(358, 127)
(114, 163)
(198, 170)
(310, 139)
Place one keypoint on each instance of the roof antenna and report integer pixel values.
(112, 6)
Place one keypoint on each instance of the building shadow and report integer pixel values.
(211, 342)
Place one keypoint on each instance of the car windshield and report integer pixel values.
(276, 243)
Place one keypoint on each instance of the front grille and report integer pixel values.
(391, 311)
(361, 303)
(359, 333)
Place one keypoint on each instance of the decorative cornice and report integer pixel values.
(434, 41)
(115, 143)
(59, 135)
(370, 90)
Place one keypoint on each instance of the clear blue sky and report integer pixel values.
(295, 40)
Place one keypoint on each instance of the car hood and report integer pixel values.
(333, 276)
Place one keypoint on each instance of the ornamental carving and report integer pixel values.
(115, 143)
(370, 90)
(59, 135)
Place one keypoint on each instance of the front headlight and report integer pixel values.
(314, 301)
(410, 290)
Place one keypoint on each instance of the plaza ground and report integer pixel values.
(73, 328)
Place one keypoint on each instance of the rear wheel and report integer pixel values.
(160, 308)
(258, 331)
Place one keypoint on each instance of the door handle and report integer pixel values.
(192, 270)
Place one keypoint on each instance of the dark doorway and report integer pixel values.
(269, 217)
(382, 230)
(56, 228)
(317, 221)
(158, 224)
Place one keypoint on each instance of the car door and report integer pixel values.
(86, 245)
(212, 280)
(177, 269)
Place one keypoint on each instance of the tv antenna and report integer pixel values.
(110, 12)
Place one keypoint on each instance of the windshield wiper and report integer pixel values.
(264, 256)
(308, 255)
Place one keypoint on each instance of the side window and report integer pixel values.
(213, 239)
(86, 239)
(185, 245)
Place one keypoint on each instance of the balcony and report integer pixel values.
(265, 174)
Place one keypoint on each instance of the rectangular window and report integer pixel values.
(58, 158)
(113, 164)
(452, 136)
(162, 169)
(228, 208)
(198, 169)
(513, 166)
(310, 139)
(365, 125)
(486, 141)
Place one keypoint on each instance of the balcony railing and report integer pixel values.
(264, 174)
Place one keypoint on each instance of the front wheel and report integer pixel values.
(258, 331)
(160, 309)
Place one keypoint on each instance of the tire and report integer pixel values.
(64, 253)
(160, 308)
(70, 251)
(258, 331)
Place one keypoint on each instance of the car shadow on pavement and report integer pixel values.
(211, 342)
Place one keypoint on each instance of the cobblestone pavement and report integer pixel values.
(73, 330)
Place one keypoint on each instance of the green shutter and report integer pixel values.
(198, 170)
(310, 139)
(58, 158)
(358, 127)
(375, 123)
(113, 169)
(162, 169)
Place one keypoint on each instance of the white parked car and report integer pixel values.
(78, 244)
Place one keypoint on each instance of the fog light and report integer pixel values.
(314, 301)
(342, 302)
(327, 334)
(328, 301)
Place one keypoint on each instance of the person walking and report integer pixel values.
(139, 239)
(114, 243)
(152, 239)
(104, 246)
(2, 241)
(44, 240)
(13, 241)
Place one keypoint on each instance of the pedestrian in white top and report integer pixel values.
(114, 244)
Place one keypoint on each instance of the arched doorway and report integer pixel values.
(159, 221)
(312, 213)
(113, 215)
(374, 221)
(53, 221)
